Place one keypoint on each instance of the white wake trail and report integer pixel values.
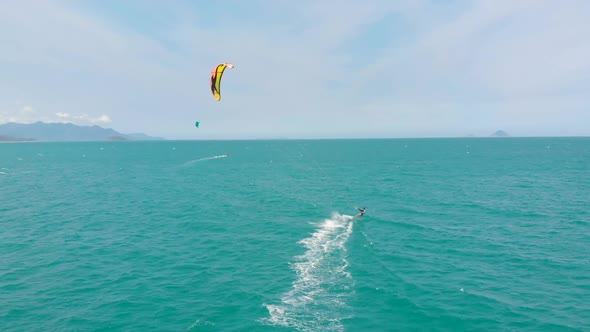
(317, 299)
(191, 162)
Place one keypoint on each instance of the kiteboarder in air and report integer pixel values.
(362, 212)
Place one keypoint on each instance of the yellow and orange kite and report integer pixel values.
(216, 75)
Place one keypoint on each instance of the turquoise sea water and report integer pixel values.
(460, 235)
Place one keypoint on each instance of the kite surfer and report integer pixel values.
(362, 212)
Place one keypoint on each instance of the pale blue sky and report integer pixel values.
(303, 69)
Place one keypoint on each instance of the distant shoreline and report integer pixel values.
(301, 139)
(64, 132)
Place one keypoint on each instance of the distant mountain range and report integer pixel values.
(500, 133)
(41, 131)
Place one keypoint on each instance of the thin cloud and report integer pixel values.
(303, 69)
(102, 119)
(27, 114)
(24, 114)
(82, 119)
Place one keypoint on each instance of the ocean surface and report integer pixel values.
(469, 234)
